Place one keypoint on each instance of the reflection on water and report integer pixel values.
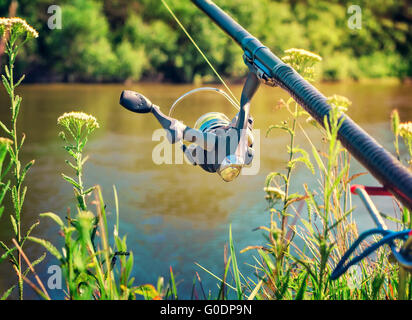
(173, 215)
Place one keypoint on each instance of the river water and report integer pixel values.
(173, 215)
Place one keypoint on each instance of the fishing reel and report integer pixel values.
(231, 164)
(213, 135)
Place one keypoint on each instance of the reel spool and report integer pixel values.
(212, 119)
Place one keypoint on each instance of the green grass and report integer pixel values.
(15, 34)
(306, 235)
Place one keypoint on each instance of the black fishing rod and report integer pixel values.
(273, 72)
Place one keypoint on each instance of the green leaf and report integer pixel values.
(301, 292)
(148, 291)
(406, 217)
(253, 294)
(377, 283)
(234, 266)
(119, 244)
(221, 294)
(17, 103)
(160, 284)
(215, 276)
(26, 169)
(22, 197)
(12, 156)
(6, 84)
(129, 266)
(173, 283)
(72, 166)
(286, 279)
(35, 263)
(80, 200)
(3, 126)
(337, 181)
(88, 190)
(84, 160)
(116, 201)
(395, 122)
(308, 226)
(6, 254)
(273, 175)
(340, 220)
(48, 246)
(6, 68)
(304, 160)
(7, 169)
(268, 262)
(281, 127)
(3, 153)
(14, 224)
(4, 246)
(16, 203)
(34, 225)
(390, 218)
(306, 264)
(8, 251)
(72, 181)
(103, 215)
(293, 198)
(20, 80)
(71, 150)
(7, 293)
(53, 216)
(4, 190)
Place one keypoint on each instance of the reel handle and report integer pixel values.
(135, 102)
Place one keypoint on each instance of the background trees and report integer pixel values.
(114, 40)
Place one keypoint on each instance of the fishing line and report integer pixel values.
(201, 52)
(223, 93)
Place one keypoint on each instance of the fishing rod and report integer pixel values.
(272, 71)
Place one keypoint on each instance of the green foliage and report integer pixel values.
(326, 229)
(340, 67)
(17, 33)
(380, 65)
(89, 271)
(130, 62)
(140, 36)
(92, 268)
(4, 187)
(78, 126)
(119, 40)
(404, 131)
(89, 263)
(235, 267)
(82, 49)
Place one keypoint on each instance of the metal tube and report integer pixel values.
(370, 206)
(379, 162)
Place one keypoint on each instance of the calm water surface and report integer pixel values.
(173, 215)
